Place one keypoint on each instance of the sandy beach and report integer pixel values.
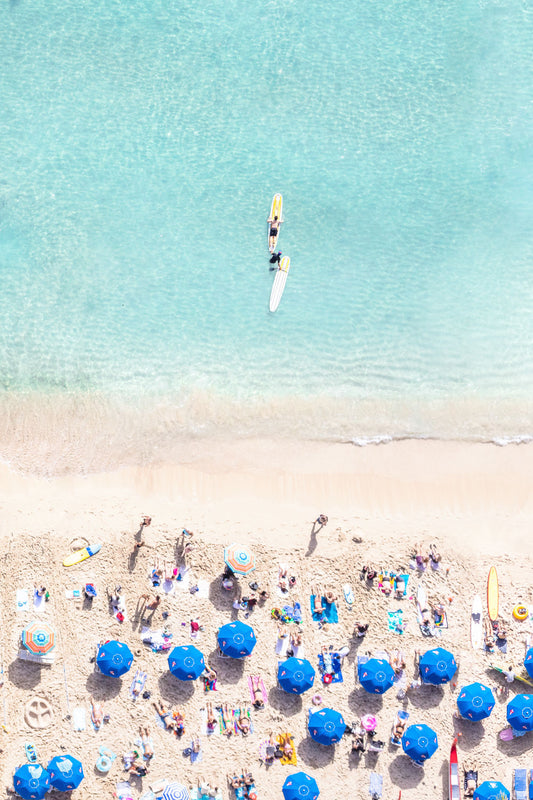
(473, 502)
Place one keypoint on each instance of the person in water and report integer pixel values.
(275, 258)
(274, 226)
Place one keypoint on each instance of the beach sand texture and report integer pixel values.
(473, 501)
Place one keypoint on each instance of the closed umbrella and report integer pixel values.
(419, 742)
(114, 658)
(326, 726)
(66, 773)
(236, 639)
(376, 675)
(437, 666)
(491, 790)
(186, 663)
(475, 701)
(520, 712)
(300, 786)
(175, 791)
(528, 662)
(296, 675)
(31, 781)
(239, 559)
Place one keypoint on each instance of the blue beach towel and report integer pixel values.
(395, 621)
(329, 614)
(317, 616)
(336, 667)
(297, 612)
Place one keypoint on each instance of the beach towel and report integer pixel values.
(196, 757)
(264, 694)
(282, 645)
(182, 579)
(330, 612)
(158, 640)
(22, 600)
(73, 594)
(203, 589)
(137, 685)
(395, 621)
(124, 791)
(265, 753)
(236, 717)
(292, 761)
(332, 667)
(39, 602)
(298, 650)
(297, 612)
(318, 616)
(405, 579)
(375, 789)
(501, 644)
(442, 622)
(167, 586)
(209, 686)
(78, 718)
(203, 723)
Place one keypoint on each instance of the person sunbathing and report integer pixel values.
(399, 587)
(211, 718)
(397, 662)
(257, 691)
(438, 612)
(470, 782)
(169, 572)
(146, 743)
(296, 638)
(165, 714)
(490, 639)
(369, 573)
(420, 559)
(227, 719)
(236, 784)
(97, 714)
(196, 746)
(386, 584)
(283, 579)
(248, 779)
(358, 743)
(329, 596)
(360, 629)
(209, 673)
(318, 608)
(287, 746)
(178, 719)
(399, 729)
(243, 721)
(270, 750)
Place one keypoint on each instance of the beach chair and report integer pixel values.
(519, 784)
(403, 716)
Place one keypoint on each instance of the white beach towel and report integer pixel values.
(282, 645)
(298, 651)
(22, 600)
(78, 718)
(203, 588)
(73, 594)
(39, 602)
(184, 575)
(168, 586)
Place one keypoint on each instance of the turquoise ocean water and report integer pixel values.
(140, 145)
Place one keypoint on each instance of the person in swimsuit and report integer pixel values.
(211, 718)
(257, 691)
(274, 227)
(275, 259)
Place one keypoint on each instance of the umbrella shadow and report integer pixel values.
(404, 773)
(24, 674)
(314, 754)
(222, 599)
(471, 733)
(362, 702)
(173, 690)
(229, 670)
(288, 704)
(103, 687)
(426, 696)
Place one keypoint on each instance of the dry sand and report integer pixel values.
(473, 501)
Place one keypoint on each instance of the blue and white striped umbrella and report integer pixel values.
(175, 791)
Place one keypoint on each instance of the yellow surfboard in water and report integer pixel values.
(276, 210)
(493, 594)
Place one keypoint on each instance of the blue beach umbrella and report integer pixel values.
(114, 658)
(66, 773)
(376, 675)
(520, 712)
(419, 742)
(437, 666)
(300, 786)
(326, 726)
(31, 781)
(236, 639)
(186, 663)
(296, 675)
(528, 662)
(491, 790)
(475, 701)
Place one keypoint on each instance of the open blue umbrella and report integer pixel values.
(186, 663)
(376, 675)
(326, 726)
(520, 712)
(475, 701)
(175, 791)
(528, 662)
(419, 742)
(114, 658)
(31, 781)
(437, 666)
(296, 675)
(491, 790)
(300, 786)
(66, 773)
(236, 639)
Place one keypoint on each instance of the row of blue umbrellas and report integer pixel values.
(33, 781)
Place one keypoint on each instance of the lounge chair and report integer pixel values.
(375, 790)
(401, 715)
(519, 784)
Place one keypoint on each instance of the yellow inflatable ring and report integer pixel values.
(520, 612)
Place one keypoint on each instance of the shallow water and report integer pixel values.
(141, 145)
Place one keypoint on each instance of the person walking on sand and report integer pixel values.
(321, 521)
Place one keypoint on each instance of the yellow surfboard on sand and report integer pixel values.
(493, 595)
(81, 555)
